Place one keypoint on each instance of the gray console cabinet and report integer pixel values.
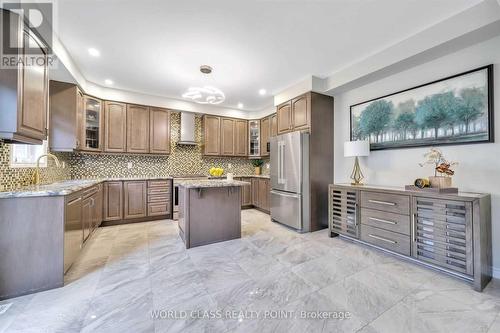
(448, 232)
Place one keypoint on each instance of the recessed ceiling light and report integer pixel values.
(262, 91)
(240, 105)
(94, 52)
(108, 82)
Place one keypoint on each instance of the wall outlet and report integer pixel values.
(268, 165)
(63, 165)
(129, 165)
(229, 165)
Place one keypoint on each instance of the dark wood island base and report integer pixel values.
(209, 211)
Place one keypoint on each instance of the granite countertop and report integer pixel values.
(207, 183)
(64, 187)
(241, 176)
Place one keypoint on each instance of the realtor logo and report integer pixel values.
(31, 49)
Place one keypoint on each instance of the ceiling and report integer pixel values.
(156, 47)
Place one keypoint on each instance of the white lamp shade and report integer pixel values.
(356, 148)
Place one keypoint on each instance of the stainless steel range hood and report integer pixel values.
(187, 129)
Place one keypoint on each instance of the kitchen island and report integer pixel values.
(209, 211)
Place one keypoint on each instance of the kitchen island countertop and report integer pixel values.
(206, 183)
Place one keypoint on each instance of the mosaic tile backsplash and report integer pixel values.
(12, 178)
(183, 160)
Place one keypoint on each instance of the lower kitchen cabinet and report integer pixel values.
(135, 199)
(257, 194)
(113, 201)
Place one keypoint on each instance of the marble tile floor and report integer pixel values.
(129, 274)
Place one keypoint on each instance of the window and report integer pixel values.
(24, 156)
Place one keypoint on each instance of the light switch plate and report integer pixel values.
(129, 165)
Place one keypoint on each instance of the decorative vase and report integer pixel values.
(440, 181)
(257, 171)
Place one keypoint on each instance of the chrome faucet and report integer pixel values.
(37, 170)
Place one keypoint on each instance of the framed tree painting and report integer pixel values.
(453, 110)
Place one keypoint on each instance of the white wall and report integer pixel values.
(479, 169)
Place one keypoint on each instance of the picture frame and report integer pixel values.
(454, 110)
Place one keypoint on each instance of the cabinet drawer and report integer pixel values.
(158, 190)
(158, 197)
(158, 183)
(158, 208)
(386, 239)
(394, 203)
(94, 189)
(385, 220)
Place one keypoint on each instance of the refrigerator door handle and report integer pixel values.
(285, 194)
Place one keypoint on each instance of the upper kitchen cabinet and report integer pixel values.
(274, 124)
(92, 124)
(284, 114)
(254, 138)
(240, 137)
(296, 114)
(227, 136)
(115, 133)
(66, 117)
(24, 90)
(137, 129)
(301, 112)
(265, 131)
(159, 131)
(211, 135)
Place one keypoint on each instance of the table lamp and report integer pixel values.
(356, 149)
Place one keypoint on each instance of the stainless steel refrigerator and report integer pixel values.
(290, 180)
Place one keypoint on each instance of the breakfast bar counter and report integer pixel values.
(209, 211)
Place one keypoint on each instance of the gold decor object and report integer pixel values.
(356, 149)
(257, 171)
(422, 182)
(442, 166)
(356, 174)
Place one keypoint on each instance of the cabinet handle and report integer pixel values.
(383, 221)
(387, 203)
(413, 226)
(383, 239)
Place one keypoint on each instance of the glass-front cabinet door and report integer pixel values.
(92, 124)
(254, 138)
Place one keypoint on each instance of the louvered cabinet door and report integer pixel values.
(442, 233)
(343, 212)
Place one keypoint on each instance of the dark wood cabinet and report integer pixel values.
(159, 128)
(295, 115)
(24, 91)
(113, 201)
(284, 115)
(115, 120)
(274, 125)
(137, 129)
(301, 112)
(246, 192)
(227, 136)
(264, 196)
(265, 134)
(241, 137)
(211, 135)
(66, 117)
(135, 199)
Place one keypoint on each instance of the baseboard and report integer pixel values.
(142, 219)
